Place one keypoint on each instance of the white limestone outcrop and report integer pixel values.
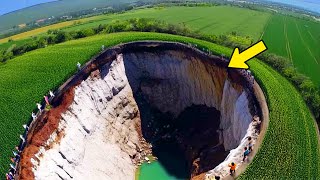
(99, 132)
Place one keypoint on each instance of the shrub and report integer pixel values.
(61, 36)
(83, 33)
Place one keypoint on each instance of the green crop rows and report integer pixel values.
(291, 144)
(211, 20)
(298, 40)
(290, 148)
(293, 38)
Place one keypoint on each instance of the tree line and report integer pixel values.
(308, 90)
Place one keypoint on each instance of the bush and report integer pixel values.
(82, 33)
(50, 39)
(100, 28)
(61, 36)
(7, 55)
(42, 42)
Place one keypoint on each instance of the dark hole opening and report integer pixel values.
(178, 142)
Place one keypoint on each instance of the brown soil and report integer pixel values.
(47, 124)
(201, 176)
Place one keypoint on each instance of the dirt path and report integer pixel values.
(264, 126)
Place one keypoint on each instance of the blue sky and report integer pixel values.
(313, 5)
(12, 5)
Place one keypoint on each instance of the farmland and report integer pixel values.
(297, 40)
(208, 20)
(293, 38)
(211, 20)
(290, 128)
(25, 79)
(44, 29)
(57, 8)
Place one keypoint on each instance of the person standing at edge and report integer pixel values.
(232, 168)
(245, 153)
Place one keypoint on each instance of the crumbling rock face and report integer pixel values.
(99, 135)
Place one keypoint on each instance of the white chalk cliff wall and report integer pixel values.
(99, 132)
(100, 128)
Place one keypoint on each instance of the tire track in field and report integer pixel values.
(314, 39)
(265, 27)
(287, 41)
(206, 26)
(304, 43)
(195, 19)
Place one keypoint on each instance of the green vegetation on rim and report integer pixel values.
(290, 148)
(291, 144)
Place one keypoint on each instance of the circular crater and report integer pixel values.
(136, 99)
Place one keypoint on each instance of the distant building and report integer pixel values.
(22, 25)
(66, 17)
(41, 20)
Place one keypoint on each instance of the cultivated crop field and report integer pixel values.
(44, 29)
(298, 40)
(291, 138)
(290, 149)
(56, 8)
(212, 20)
(293, 38)
(209, 20)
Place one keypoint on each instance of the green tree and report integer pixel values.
(62, 36)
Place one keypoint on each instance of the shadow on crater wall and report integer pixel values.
(177, 140)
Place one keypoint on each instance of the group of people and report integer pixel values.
(247, 73)
(16, 155)
(18, 149)
(247, 150)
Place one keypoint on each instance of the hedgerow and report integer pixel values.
(309, 91)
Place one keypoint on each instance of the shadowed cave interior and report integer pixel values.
(186, 143)
(177, 142)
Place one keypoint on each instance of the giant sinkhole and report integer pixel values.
(168, 99)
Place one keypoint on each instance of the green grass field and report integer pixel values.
(210, 20)
(298, 40)
(293, 38)
(56, 8)
(290, 149)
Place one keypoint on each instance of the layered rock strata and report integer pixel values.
(94, 130)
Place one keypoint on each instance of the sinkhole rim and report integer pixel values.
(110, 54)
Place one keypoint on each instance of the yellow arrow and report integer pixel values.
(238, 59)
